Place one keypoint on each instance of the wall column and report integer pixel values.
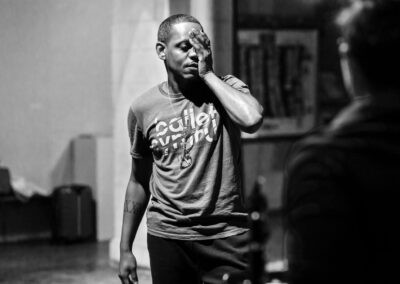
(135, 69)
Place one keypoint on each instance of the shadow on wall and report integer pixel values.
(62, 172)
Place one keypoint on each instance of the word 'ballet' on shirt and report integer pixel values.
(168, 133)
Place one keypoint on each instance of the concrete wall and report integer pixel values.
(55, 83)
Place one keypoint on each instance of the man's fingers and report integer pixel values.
(202, 52)
(193, 39)
(201, 45)
(204, 40)
(133, 278)
(195, 44)
(129, 279)
(193, 33)
(127, 268)
(124, 279)
(207, 43)
(199, 38)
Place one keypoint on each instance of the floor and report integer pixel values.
(43, 262)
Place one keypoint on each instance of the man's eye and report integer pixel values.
(185, 47)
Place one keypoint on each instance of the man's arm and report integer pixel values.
(136, 198)
(241, 107)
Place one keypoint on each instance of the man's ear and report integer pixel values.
(160, 48)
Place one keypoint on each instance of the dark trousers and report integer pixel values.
(196, 262)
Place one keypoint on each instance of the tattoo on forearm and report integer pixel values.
(131, 207)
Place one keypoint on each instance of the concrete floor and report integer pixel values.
(42, 262)
(45, 263)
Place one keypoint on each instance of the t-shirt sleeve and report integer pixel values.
(139, 146)
(236, 83)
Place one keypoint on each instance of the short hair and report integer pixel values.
(165, 27)
(371, 29)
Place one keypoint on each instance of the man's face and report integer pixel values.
(181, 59)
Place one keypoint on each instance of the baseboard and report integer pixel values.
(25, 237)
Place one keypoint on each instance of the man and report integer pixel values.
(185, 137)
(342, 184)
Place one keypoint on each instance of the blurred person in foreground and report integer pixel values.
(185, 147)
(342, 184)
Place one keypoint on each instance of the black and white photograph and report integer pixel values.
(199, 141)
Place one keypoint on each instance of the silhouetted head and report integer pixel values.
(370, 32)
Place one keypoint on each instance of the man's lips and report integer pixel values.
(192, 65)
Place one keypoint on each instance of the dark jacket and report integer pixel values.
(341, 199)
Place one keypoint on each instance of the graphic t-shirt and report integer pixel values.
(196, 187)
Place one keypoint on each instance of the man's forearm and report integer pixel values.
(242, 109)
(135, 204)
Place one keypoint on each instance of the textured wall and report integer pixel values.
(55, 83)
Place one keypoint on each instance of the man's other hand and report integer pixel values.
(127, 268)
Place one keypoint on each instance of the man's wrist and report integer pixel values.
(125, 248)
(208, 74)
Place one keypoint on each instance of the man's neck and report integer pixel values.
(183, 86)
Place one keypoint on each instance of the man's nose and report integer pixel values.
(192, 53)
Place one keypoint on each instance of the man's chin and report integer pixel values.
(191, 76)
